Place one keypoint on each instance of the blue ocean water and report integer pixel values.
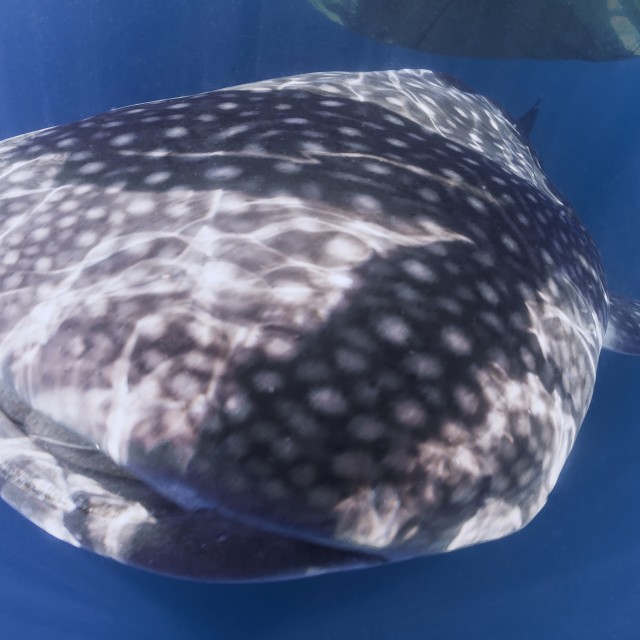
(572, 573)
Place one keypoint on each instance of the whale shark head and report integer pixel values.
(299, 325)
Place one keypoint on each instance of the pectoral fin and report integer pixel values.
(623, 328)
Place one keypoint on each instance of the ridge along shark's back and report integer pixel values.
(302, 325)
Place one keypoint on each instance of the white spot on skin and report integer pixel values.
(346, 249)
(376, 168)
(157, 178)
(91, 168)
(11, 257)
(230, 132)
(184, 386)
(160, 152)
(176, 132)
(484, 258)
(466, 400)
(492, 320)
(478, 205)
(510, 243)
(395, 101)
(14, 281)
(40, 234)
(424, 366)
(456, 341)
(488, 293)
(419, 271)
(429, 195)
(141, 206)
(80, 156)
(393, 329)
(237, 407)
(409, 413)
(67, 142)
(287, 167)
(393, 120)
(96, 213)
(312, 148)
(369, 203)
(455, 177)
(351, 361)
(43, 264)
(267, 381)
(450, 305)
(66, 221)
(87, 239)
(123, 140)
(327, 400)
(280, 348)
(224, 173)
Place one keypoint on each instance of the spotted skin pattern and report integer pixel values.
(301, 325)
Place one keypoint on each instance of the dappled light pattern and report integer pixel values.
(338, 319)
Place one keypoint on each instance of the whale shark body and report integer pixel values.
(301, 325)
(593, 30)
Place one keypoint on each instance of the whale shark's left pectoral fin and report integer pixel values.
(623, 328)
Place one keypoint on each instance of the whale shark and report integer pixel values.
(303, 325)
(592, 30)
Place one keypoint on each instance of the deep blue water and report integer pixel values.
(575, 571)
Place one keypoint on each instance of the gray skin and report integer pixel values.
(544, 29)
(302, 325)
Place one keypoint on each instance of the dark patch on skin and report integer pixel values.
(388, 460)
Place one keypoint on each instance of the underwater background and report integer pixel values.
(574, 572)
